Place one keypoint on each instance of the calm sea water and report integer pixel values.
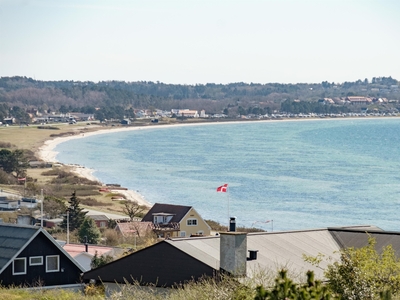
(299, 174)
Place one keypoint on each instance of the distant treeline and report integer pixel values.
(67, 96)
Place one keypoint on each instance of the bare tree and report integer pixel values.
(133, 209)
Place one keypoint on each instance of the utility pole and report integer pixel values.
(67, 226)
(41, 209)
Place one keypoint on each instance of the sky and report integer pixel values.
(199, 42)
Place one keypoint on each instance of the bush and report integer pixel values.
(48, 127)
(6, 178)
(6, 145)
(111, 237)
(93, 202)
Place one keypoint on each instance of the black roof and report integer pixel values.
(13, 239)
(353, 238)
(178, 211)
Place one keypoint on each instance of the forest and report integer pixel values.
(21, 94)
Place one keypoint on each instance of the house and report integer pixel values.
(30, 256)
(126, 122)
(326, 101)
(84, 254)
(6, 204)
(135, 228)
(358, 100)
(9, 121)
(188, 113)
(174, 261)
(176, 221)
(52, 223)
(100, 220)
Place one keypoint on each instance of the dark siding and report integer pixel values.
(160, 264)
(42, 246)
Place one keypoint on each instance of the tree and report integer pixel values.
(98, 261)
(76, 215)
(53, 206)
(88, 232)
(13, 162)
(364, 273)
(133, 209)
(286, 289)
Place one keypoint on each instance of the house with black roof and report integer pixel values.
(29, 256)
(176, 221)
(175, 261)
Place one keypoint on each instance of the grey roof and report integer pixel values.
(287, 249)
(99, 217)
(14, 238)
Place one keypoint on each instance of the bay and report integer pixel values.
(294, 174)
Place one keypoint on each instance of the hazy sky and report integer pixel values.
(189, 42)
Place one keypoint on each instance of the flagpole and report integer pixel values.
(227, 194)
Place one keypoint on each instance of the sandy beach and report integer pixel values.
(47, 154)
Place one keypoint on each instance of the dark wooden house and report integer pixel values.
(162, 265)
(175, 261)
(29, 256)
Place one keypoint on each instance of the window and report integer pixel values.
(36, 260)
(52, 263)
(103, 224)
(192, 222)
(19, 266)
(183, 233)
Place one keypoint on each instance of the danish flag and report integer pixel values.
(222, 188)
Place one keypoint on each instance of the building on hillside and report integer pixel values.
(359, 100)
(176, 221)
(134, 228)
(100, 220)
(188, 113)
(29, 256)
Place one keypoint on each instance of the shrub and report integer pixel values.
(48, 127)
(6, 145)
(6, 178)
(111, 237)
(93, 202)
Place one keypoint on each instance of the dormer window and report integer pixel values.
(162, 218)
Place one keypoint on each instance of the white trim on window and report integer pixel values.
(36, 260)
(52, 263)
(19, 263)
(191, 222)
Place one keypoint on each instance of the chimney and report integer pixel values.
(233, 252)
(86, 244)
(252, 254)
(232, 224)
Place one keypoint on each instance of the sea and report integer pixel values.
(281, 175)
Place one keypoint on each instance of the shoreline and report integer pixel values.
(47, 153)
